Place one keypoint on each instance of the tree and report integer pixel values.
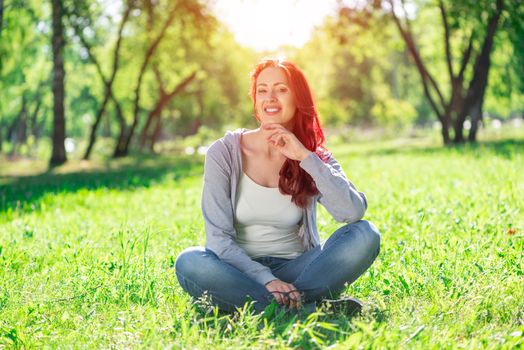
(83, 20)
(156, 88)
(126, 134)
(152, 127)
(58, 155)
(358, 70)
(24, 75)
(154, 116)
(79, 23)
(505, 93)
(465, 99)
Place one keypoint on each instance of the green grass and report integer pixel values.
(87, 254)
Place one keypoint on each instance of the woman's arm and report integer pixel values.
(217, 210)
(337, 194)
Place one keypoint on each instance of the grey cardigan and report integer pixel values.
(222, 171)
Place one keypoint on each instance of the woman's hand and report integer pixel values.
(285, 141)
(285, 293)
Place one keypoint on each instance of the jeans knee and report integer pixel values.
(370, 235)
(187, 260)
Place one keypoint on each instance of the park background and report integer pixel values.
(106, 111)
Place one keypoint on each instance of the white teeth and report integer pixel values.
(272, 110)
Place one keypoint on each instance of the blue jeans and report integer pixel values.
(318, 273)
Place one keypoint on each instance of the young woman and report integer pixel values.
(261, 188)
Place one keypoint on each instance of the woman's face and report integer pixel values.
(274, 100)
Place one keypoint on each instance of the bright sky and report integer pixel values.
(268, 24)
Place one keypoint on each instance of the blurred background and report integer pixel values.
(108, 78)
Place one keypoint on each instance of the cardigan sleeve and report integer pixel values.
(337, 194)
(217, 210)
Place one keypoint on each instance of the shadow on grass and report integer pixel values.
(303, 331)
(25, 192)
(507, 148)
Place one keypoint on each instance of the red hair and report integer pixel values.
(294, 180)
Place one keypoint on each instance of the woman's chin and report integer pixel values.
(286, 124)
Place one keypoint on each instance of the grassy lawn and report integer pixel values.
(87, 254)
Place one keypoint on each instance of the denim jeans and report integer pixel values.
(318, 273)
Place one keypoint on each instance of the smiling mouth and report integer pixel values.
(272, 110)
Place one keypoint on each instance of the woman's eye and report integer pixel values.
(261, 91)
(282, 90)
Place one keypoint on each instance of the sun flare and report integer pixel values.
(269, 24)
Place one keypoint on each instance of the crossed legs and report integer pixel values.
(318, 273)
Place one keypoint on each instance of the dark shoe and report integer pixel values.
(346, 306)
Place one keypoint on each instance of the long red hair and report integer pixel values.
(294, 180)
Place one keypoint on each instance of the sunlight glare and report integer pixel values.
(269, 24)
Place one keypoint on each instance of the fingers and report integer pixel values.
(280, 293)
(285, 293)
(285, 141)
(295, 299)
(279, 136)
(277, 139)
(278, 297)
(276, 287)
(292, 298)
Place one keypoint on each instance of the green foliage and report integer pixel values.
(87, 257)
(398, 114)
(358, 68)
(503, 97)
(24, 61)
(194, 42)
(355, 60)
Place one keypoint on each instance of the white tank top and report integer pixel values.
(266, 221)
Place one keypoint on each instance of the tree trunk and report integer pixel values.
(16, 132)
(144, 136)
(476, 117)
(58, 155)
(156, 133)
(197, 123)
(152, 118)
(11, 129)
(94, 127)
(108, 82)
(428, 82)
(34, 123)
(122, 148)
(122, 124)
(22, 127)
(445, 129)
(454, 113)
(477, 87)
(1, 23)
(39, 128)
(155, 115)
(34, 117)
(459, 133)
